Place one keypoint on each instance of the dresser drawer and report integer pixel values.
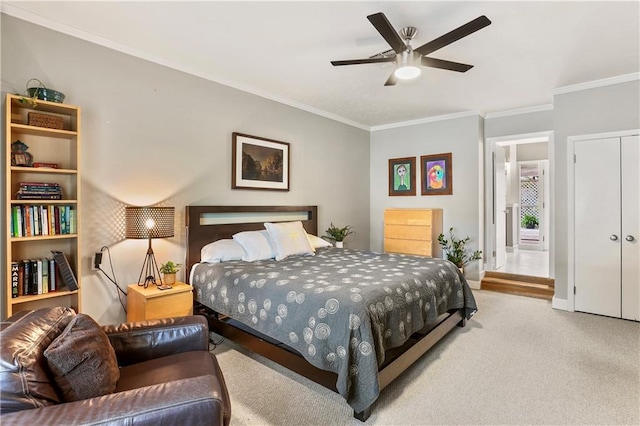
(408, 232)
(408, 217)
(420, 248)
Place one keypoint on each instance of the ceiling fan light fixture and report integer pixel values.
(407, 72)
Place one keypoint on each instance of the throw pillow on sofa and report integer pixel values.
(82, 360)
(24, 379)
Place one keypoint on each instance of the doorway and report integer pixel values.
(533, 201)
(518, 208)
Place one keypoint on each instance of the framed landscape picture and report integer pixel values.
(402, 176)
(437, 174)
(259, 163)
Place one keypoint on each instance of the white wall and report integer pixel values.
(606, 108)
(460, 136)
(598, 110)
(151, 135)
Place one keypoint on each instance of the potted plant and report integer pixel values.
(338, 234)
(169, 271)
(529, 221)
(456, 251)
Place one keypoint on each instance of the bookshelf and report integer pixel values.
(42, 204)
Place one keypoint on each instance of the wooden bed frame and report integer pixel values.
(200, 234)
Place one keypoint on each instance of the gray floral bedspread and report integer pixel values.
(341, 309)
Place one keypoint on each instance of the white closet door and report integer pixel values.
(631, 228)
(597, 227)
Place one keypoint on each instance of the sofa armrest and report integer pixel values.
(140, 341)
(195, 401)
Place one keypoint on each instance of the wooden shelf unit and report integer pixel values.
(61, 146)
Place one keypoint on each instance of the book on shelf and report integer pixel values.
(47, 184)
(39, 191)
(45, 276)
(68, 277)
(46, 165)
(38, 197)
(20, 278)
(15, 282)
(26, 280)
(53, 275)
(41, 220)
(33, 277)
(39, 275)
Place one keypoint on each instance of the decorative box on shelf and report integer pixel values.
(45, 120)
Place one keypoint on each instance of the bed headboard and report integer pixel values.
(206, 224)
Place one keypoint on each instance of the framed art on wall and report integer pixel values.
(437, 174)
(402, 176)
(259, 163)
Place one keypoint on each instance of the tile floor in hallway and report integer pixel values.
(527, 262)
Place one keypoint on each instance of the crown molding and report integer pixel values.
(519, 111)
(427, 120)
(42, 21)
(596, 83)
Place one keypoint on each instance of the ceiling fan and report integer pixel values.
(406, 57)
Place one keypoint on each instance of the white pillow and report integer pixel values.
(255, 244)
(317, 242)
(221, 251)
(289, 239)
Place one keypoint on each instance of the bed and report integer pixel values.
(350, 320)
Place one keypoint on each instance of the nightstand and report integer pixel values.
(151, 303)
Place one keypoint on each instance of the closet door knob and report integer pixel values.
(613, 237)
(629, 238)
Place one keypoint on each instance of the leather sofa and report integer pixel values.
(167, 375)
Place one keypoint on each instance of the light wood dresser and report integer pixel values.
(413, 231)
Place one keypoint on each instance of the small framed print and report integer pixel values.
(402, 176)
(259, 163)
(19, 154)
(437, 174)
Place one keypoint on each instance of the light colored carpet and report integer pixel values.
(516, 362)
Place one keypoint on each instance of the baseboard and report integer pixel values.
(561, 304)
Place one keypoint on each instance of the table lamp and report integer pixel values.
(148, 223)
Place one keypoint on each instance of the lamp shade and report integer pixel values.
(149, 222)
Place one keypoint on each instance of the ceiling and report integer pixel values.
(282, 50)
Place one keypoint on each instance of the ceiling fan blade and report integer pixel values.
(463, 31)
(445, 65)
(392, 80)
(386, 30)
(363, 61)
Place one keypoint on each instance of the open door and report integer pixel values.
(500, 208)
(532, 206)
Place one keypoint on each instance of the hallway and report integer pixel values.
(527, 262)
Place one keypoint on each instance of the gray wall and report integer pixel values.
(151, 135)
(598, 110)
(531, 122)
(463, 138)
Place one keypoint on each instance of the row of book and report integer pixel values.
(34, 220)
(34, 276)
(39, 276)
(39, 191)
